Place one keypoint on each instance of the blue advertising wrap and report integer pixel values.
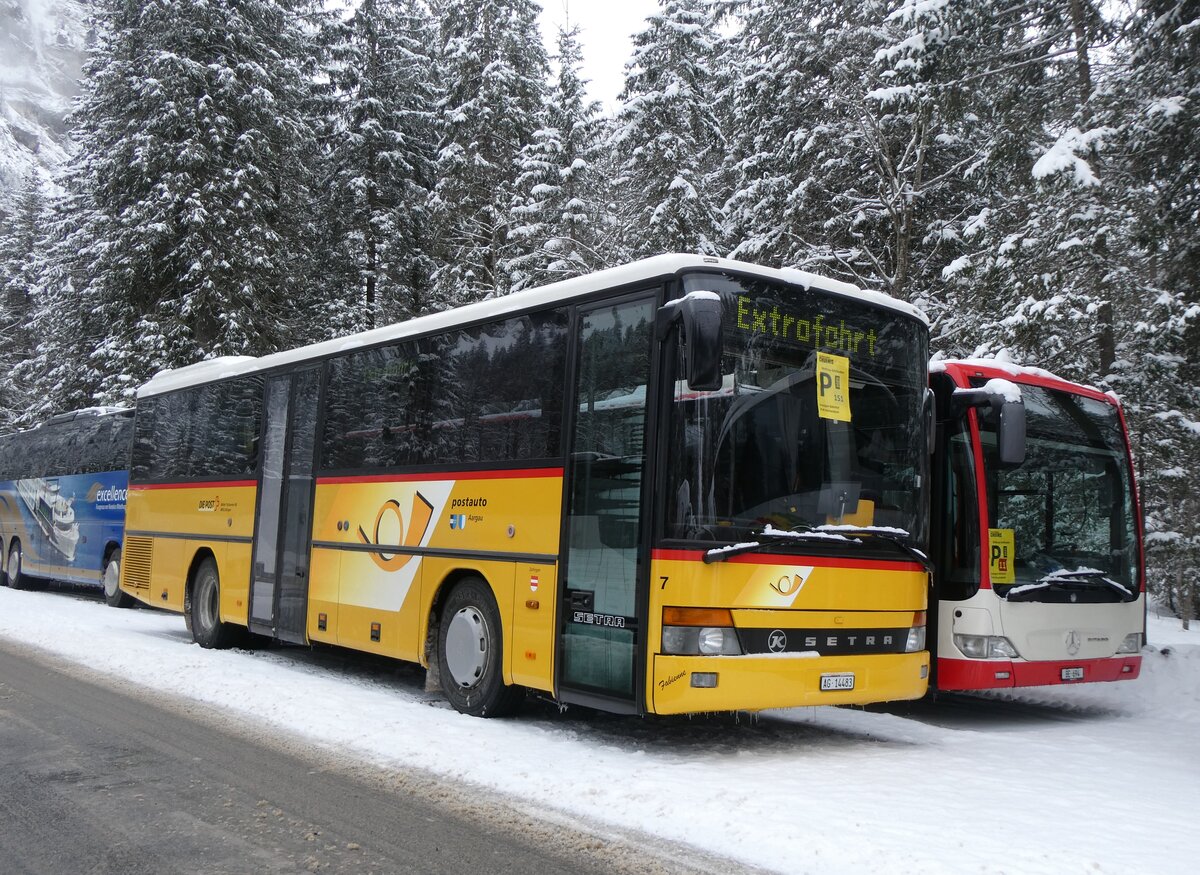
(66, 525)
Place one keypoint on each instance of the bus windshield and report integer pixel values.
(818, 421)
(1069, 506)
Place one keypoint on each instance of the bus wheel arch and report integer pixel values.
(433, 625)
(201, 554)
(436, 605)
(110, 578)
(469, 648)
(202, 604)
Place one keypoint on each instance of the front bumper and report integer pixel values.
(757, 682)
(993, 674)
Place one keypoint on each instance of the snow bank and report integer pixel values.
(1083, 779)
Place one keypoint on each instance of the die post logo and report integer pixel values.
(419, 517)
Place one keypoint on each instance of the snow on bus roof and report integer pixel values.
(531, 299)
(937, 366)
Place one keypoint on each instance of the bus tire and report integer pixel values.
(203, 610)
(114, 596)
(17, 579)
(471, 653)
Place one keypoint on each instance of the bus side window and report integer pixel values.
(91, 450)
(485, 394)
(144, 451)
(960, 565)
(116, 455)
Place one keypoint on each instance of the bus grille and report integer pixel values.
(136, 560)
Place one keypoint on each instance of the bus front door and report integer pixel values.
(600, 631)
(283, 530)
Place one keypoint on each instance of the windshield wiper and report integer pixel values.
(887, 535)
(771, 535)
(1080, 578)
(908, 549)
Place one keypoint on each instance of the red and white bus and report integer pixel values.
(1037, 533)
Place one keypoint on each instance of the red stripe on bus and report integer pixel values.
(789, 559)
(203, 484)
(980, 674)
(515, 474)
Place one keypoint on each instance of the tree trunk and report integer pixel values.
(1082, 63)
(1105, 340)
(1183, 577)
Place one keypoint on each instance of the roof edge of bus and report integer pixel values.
(559, 292)
(1007, 368)
(70, 415)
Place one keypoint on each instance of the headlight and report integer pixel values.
(700, 641)
(1131, 644)
(986, 647)
(916, 634)
(999, 647)
(680, 639)
(916, 639)
(714, 641)
(699, 631)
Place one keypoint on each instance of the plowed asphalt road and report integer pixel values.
(95, 780)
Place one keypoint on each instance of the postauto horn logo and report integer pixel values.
(419, 517)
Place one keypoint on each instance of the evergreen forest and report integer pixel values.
(253, 175)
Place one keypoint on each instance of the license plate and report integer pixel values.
(837, 682)
(1072, 674)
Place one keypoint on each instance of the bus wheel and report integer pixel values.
(113, 594)
(470, 653)
(16, 579)
(203, 609)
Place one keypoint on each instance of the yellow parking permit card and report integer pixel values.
(833, 387)
(1001, 555)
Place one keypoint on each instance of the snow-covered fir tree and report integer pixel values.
(1160, 374)
(1041, 255)
(863, 134)
(22, 227)
(668, 136)
(495, 82)
(382, 145)
(190, 187)
(558, 226)
(797, 104)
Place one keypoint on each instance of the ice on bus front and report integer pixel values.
(791, 566)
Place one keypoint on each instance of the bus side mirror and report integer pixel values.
(702, 339)
(1011, 434)
(1010, 413)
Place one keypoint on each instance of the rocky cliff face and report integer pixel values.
(42, 49)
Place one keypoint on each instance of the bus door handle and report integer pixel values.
(582, 599)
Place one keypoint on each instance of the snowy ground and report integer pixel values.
(1096, 779)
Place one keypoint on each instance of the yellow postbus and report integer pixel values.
(686, 484)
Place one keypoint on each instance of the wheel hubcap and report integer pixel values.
(208, 604)
(112, 575)
(14, 565)
(467, 646)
